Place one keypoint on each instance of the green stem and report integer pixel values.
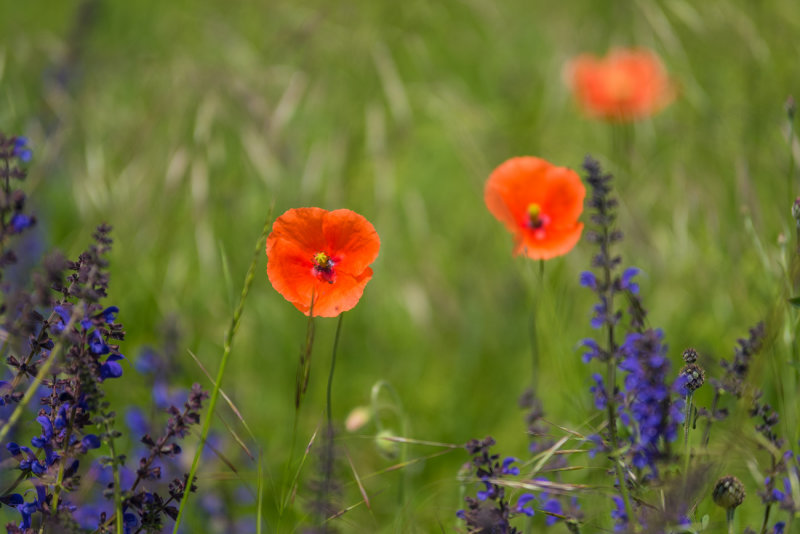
(707, 431)
(790, 181)
(115, 471)
(333, 365)
(766, 518)
(226, 351)
(44, 370)
(301, 382)
(534, 331)
(328, 468)
(612, 429)
(729, 516)
(686, 425)
(610, 389)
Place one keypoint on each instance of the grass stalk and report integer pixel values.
(260, 492)
(115, 473)
(31, 391)
(226, 351)
(790, 111)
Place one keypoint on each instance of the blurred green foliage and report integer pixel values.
(182, 122)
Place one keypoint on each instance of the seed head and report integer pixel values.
(695, 376)
(690, 355)
(729, 492)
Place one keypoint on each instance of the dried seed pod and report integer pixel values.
(729, 492)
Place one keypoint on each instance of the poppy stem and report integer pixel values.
(534, 331)
(304, 365)
(328, 463)
(790, 112)
(330, 375)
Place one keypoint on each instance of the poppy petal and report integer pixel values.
(290, 271)
(351, 239)
(302, 226)
(512, 187)
(342, 296)
(564, 195)
(557, 243)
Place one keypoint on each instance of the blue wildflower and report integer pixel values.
(20, 221)
(594, 350)
(111, 369)
(619, 514)
(507, 469)
(109, 314)
(599, 392)
(21, 149)
(26, 510)
(136, 420)
(90, 441)
(13, 500)
(97, 344)
(626, 280)
(522, 506)
(488, 493)
(13, 448)
(553, 506)
(588, 279)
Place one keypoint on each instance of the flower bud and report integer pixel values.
(690, 355)
(357, 418)
(729, 492)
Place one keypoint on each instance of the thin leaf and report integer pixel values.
(227, 399)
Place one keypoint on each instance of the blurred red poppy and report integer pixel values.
(627, 84)
(324, 255)
(539, 204)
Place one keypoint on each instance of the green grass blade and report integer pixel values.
(260, 492)
(226, 351)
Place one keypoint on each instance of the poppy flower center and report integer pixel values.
(536, 220)
(619, 86)
(323, 267)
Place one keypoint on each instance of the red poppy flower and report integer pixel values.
(322, 254)
(539, 203)
(625, 85)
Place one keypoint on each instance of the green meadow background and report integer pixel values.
(183, 123)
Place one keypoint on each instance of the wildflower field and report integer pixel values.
(476, 267)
